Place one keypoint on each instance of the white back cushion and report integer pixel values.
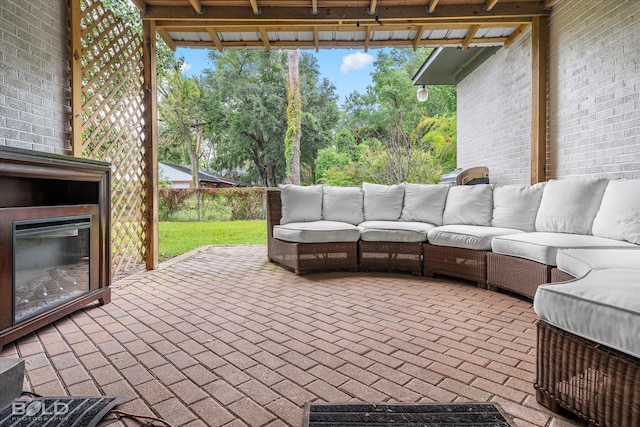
(424, 203)
(301, 204)
(382, 202)
(516, 206)
(570, 205)
(342, 204)
(619, 214)
(469, 205)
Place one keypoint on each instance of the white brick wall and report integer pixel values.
(34, 76)
(594, 101)
(593, 98)
(494, 115)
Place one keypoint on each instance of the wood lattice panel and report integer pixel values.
(112, 123)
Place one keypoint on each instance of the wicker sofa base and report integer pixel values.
(558, 275)
(598, 384)
(306, 257)
(518, 275)
(390, 256)
(465, 264)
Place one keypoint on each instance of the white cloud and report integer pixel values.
(355, 61)
(185, 67)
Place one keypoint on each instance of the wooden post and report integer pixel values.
(151, 142)
(539, 40)
(76, 79)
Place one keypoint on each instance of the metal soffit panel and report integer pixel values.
(316, 24)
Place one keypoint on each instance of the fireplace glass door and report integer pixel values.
(51, 263)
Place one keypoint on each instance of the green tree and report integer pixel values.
(249, 88)
(182, 121)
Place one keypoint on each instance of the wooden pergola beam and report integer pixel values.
(150, 101)
(470, 35)
(76, 80)
(514, 35)
(224, 26)
(214, 37)
(197, 6)
(431, 7)
(314, 7)
(372, 7)
(489, 5)
(166, 37)
(539, 40)
(418, 38)
(316, 39)
(417, 14)
(265, 39)
(255, 7)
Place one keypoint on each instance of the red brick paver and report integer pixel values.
(221, 337)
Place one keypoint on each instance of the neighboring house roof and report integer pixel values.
(204, 176)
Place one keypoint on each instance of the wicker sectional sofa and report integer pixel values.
(572, 245)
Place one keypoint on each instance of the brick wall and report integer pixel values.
(494, 115)
(34, 76)
(594, 101)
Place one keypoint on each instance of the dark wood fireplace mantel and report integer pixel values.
(35, 186)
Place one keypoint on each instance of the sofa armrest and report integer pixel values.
(274, 210)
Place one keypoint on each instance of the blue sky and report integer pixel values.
(349, 69)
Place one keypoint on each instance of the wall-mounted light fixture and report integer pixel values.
(422, 94)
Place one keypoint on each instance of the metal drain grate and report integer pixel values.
(398, 415)
(57, 411)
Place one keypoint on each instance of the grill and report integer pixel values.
(469, 176)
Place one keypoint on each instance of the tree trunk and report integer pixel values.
(294, 119)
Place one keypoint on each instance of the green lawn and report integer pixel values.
(176, 238)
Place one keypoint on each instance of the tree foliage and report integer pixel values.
(396, 138)
(249, 88)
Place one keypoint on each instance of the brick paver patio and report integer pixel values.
(221, 337)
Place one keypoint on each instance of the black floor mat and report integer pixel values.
(57, 411)
(402, 415)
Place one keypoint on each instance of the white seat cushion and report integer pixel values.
(469, 205)
(301, 204)
(467, 236)
(424, 203)
(344, 204)
(543, 247)
(382, 202)
(570, 205)
(602, 307)
(394, 231)
(579, 262)
(619, 214)
(317, 232)
(516, 206)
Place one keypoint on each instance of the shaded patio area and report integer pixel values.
(222, 337)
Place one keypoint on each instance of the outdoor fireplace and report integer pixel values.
(54, 238)
(51, 263)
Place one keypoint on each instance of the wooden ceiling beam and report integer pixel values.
(166, 37)
(463, 12)
(418, 37)
(341, 43)
(316, 39)
(197, 6)
(255, 7)
(265, 38)
(190, 26)
(431, 7)
(372, 7)
(314, 7)
(367, 38)
(215, 39)
(489, 5)
(470, 35)
(514, 35)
